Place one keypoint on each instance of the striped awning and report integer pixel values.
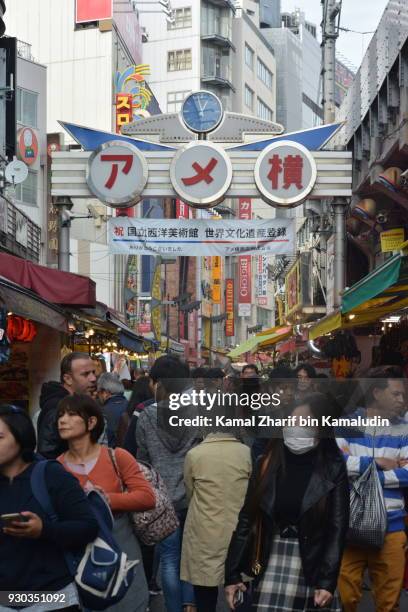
(260, 341)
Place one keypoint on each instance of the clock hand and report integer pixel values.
(203, 108)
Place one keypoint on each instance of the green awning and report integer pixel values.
(244, 347)
(386, 285)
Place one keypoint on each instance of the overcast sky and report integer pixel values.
(354, 15)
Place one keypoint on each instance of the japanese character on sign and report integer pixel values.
(203, 174)
(118, 231)
(292, 171)
(128, 159)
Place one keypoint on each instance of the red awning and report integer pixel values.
(52, 285)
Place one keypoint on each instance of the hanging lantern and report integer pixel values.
(392, 176)
(353, 226)
(20, 329)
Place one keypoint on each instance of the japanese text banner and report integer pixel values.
(200, 237)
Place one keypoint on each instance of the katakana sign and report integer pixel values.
(117, 174)
(199, 237)
(285, 173)
(201, 174)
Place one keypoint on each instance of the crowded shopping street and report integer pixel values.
(203, 305)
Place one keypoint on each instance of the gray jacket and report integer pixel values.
(165, 448)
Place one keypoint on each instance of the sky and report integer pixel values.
(354, 15)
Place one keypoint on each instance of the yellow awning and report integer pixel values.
(244, 347)
(265, 338)
(326, 325)
(280, 334)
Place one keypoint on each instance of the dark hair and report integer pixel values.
(66, 363)
(198, 372)
(22, 429)
(214, 373)
(171, 372)
(141, 393)
(281, 371)
(250, 366)
(378, 379)
(85, 407)
(309, 369)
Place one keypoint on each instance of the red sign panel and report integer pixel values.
(92, 10)
(182, 210)
(229, 306)
(244, 261)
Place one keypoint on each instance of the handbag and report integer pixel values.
(368, 514)
(151, 526)
(256, 566)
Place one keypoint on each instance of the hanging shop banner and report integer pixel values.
(292, 288)
(229, 307)
(216, 279)
(244, 265)
(262, 281)
(200, 237)
(391, 240)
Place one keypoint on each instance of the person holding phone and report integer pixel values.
(32, 547)
(292, 528)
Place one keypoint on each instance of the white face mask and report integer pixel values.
(300, 440)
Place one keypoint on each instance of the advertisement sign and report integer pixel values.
(216, 280)
(391, 240)
(127, 23)
(285, 173)
(183, 211)
(292, 288)
(330, 275)
(200, 237)
(229, 307)
(92, 10)
(124, 110)
(244, 265)
(27, 146)
(131, 82)
(144, 317)
(262, 281)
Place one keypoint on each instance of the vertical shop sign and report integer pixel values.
(124, 110)
(229, 307)
(244, 265)
(330, 275)
(262, 281)
(216, 279)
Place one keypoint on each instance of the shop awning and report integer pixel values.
(266, 338)
(384, 287)
(26, 304)
(326, 325)
(52, 285)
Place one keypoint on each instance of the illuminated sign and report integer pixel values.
(92, 10)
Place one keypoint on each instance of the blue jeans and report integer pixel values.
(176, 592)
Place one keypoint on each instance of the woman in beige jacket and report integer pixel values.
(216, 475)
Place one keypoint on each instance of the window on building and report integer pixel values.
(264, 74)
(179, 60)
(175, 100)
(263, 111)
(182, 19)
(26, 107)
(249, 97)
(26, 191)
(249, 56)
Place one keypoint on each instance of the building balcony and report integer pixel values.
(218, 80)
(223, 4)
(24, 50)
(18, 234)
(221, 39)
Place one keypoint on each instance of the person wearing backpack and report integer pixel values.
(32, 546)
(118, 478)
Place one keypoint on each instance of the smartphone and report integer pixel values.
(238, 598)
(7, 519)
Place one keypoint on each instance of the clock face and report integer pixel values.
(202, 111)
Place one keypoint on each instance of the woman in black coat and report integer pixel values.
(292, 528)
(32, 546)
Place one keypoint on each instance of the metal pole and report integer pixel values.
(331, 12)
(339, 206)
(63, 205)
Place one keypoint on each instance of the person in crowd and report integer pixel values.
(165, 448)
(100, 366)
(116, 474)
(77, 376)
(305, 374)
(114, 403)
(213, 380)
(216, 474)
(282, 382)
(32, 547)
(250, 370)
(142, 397)
(198, 375)
(292, 528)
(388, 447)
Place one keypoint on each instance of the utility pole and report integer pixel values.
(330, 31)
(63, 205)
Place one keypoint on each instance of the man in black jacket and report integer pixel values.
(77, 376)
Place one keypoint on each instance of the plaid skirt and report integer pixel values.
(282, 587)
